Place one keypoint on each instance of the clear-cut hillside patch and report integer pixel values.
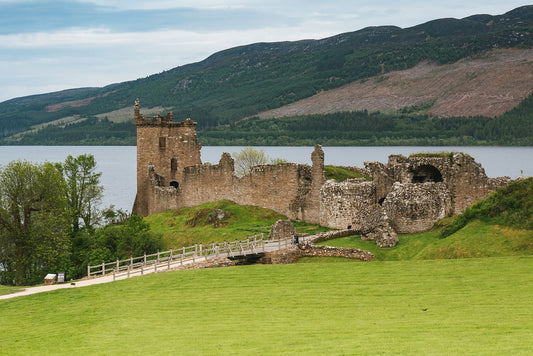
(487, 85)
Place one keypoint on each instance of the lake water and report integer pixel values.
(118, 163)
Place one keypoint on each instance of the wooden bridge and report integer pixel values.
(186, 256)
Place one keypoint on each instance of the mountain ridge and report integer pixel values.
(247, 80)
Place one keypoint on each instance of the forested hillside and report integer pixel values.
(241, 82)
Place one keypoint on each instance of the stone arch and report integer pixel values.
(426, 173)
(174, 184)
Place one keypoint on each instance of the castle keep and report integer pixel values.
(408, 194)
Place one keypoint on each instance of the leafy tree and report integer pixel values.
(84, 192)
(247, 158)
(33, 222)
(131, 238)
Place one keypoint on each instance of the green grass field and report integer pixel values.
(464, 306)
(470, 293)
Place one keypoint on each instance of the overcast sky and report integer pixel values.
(50, 45)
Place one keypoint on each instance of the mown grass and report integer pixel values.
(187, 226)
(7, 289)
(466, 306)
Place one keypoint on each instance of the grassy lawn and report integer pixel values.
(464, 306)
(7, 290)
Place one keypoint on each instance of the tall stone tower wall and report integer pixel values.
(164, 149)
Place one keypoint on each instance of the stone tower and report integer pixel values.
(164, 148)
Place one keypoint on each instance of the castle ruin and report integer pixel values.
(408, 194)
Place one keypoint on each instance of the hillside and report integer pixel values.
(489, 84)
(244, 81)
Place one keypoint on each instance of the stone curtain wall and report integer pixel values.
(285, 188)
(463, 176)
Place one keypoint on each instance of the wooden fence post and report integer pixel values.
(103, 268)
(114, 275)
(118, 265)
(88, 270)
(182, 253)
(169, 259)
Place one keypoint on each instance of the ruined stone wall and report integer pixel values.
(285, 188)
(293, 253)
(463, 176)
(346, 204)
(415, 207)
(407, 194)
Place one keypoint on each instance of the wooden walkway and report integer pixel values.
(186, 256)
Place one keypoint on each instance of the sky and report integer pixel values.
(51, 45)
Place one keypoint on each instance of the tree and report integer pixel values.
(33, 221)
(84, 192)
(132, 237)
(247, 158)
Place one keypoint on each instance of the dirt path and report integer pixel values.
(40, 289)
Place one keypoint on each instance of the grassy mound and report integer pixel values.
(511, 205)
(341, 174)
(187, 226)
(477, 239)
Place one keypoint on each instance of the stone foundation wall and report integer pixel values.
(294, 253)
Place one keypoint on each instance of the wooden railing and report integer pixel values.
(186, 255)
